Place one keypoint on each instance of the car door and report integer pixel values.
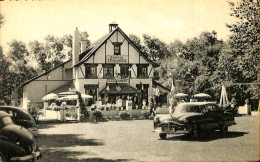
(208, 115)
(216, 115)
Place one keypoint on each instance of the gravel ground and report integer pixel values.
(135, 141)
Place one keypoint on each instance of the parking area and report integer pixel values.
(134, 140)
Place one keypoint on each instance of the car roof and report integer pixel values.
(13, 108)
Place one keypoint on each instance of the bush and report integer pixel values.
(98, 115)
(135, 117)
(124, 115)
(145, 114)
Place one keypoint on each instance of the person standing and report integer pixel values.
(152, 106)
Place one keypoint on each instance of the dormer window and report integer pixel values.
(117, 48)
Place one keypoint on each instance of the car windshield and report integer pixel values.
(6, 120)
(182, 108)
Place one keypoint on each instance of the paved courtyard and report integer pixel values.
(135, 141)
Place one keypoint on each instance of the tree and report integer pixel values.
(15, 69)
(192, 65)
(156, 49)
(1, 20)
(138, 43)
(18, 51)
(245, 40)
(4, 93)
(54, 50)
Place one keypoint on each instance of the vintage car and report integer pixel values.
(22, 118)
(193, 118)
(16, 142)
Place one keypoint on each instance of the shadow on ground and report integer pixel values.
(215, 135)
(46, 126)
(65, 140)
(59, 155)
(52, 148)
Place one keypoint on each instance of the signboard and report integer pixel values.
(116, 59)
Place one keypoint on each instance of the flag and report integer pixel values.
(108, 88)
(118, 87)
(141, 86)
(156, 92)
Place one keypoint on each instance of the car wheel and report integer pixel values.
(2, 158)
(223, 129)
(163, 135)
(196, 131)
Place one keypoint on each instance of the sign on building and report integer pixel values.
(116, 59)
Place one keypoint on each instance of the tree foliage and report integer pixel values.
(192, 64)
(1, 20)
(22, 64)
(244, 42)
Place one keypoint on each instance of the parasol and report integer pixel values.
(201, 95)
(180, 95)
(75, 97)
(51, 96)
(62, 94)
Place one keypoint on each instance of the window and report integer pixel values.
(108, 71)
(91, 90)
(117, 48)
(142, 71)
(124, 71)
(91, 71)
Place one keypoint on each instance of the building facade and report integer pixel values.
(111, 68)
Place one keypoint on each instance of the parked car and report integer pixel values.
(193, 118)
(16, 142)
(22, 118)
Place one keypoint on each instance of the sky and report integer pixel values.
(167, 20)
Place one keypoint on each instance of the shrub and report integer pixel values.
(145, 114)
(98, 115)
(135, 117)
(124, 115)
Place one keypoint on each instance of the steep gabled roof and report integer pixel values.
(38, 76)
(96, 45)
(84, 56)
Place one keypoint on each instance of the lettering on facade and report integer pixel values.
(117, 80)
(116, 59)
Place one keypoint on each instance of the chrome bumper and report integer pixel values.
(33, 156)
(169, 130)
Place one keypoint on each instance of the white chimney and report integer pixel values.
(75, 51)
(83, 46)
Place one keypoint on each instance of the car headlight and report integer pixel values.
(157, 119)
(185, 120)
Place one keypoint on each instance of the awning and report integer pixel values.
(50, 96)
(120, 88)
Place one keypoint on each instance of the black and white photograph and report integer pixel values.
(129, 80)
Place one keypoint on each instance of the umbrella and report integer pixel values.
(62, 94)
(75, 97)
(180, 95)
(51, 96)
(200, 95)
